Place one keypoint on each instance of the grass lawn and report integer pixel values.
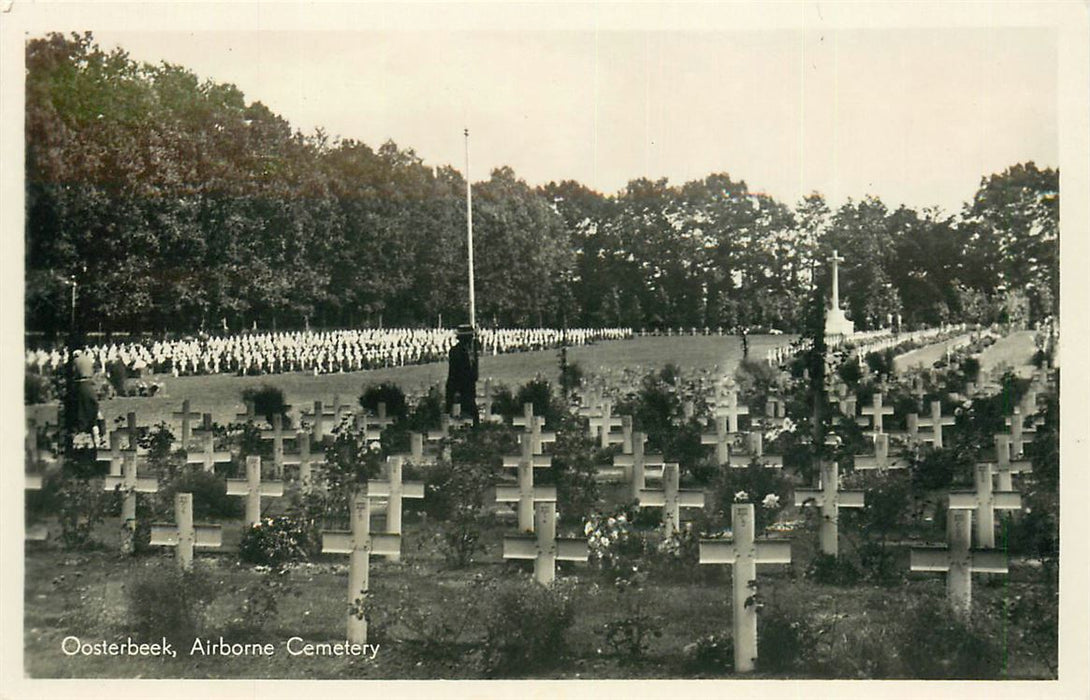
(221, 395)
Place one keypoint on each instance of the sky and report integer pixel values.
(913, 116)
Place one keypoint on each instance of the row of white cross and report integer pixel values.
(743, 552)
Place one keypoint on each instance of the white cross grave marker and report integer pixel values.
(543, 546)
(757, 451)
(744, 553)
(985, 501)
(186, 417)
(305, 459)
(671, 498)
(253, 488)
(129, 484)
(208, 457)
(639, 465)
(721, 438)
(277, 435)
(395, 491)
(732, 411)
(880, 460)
(875, 413)
(359, 544)
(1019, 439)
(936, 423)
(525, 493)
(958, 561)
(185, 535)
(1005, 466)
(830, 500)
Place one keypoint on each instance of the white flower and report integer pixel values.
(741, 497)
(771, 501)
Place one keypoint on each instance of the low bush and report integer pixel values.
(387, 393)
(37, 389)
(164, 601)
(525, 628)
(279, 542)
(935, 643)
(268, 401)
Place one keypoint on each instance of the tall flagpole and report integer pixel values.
(469, 244)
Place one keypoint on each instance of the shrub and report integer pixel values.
(454, 494)
(83, 505)
(629, 636)
(210, 499)
(425, 414)
(164, 601)
(387, 393)
(525, 628)
(36, 389)
(831, 570)
(278, 542)
(268, 401)
(573, 471)
(436, 633)
(785, 640)
(260, 605)
(712, 653)
(935, 643)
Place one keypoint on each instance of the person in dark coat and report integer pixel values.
(462, 375)
(83, 403)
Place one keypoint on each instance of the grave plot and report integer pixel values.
(615, 580)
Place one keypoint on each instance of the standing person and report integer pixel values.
(82, 408)
(462, 374)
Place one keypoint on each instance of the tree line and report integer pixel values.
(173, 204)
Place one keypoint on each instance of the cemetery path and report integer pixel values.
(926, 356)
(1015, 350)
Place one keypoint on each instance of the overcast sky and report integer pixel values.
(913, 116)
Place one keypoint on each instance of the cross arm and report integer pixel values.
(929, 560)
(773, 552)
(572, 550)
(337, 542)
(515, 547)
(718, 552)
(207, 536)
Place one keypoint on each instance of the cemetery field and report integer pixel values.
(857, 631)
(221, 394)
(690, 529)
